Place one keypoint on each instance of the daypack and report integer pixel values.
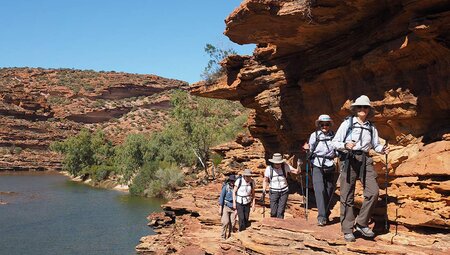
(271, 172)
(240, 182)
(313, 148)
(352, 125)
(227, 190)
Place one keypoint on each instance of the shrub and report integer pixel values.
(166, 181)
(98, 172)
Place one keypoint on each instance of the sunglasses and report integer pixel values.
(325, 124)
(362, 107)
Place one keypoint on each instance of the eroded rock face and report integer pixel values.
(314, 57)
(191, 225)
(39, 106)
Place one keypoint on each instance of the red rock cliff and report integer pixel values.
(313, 57)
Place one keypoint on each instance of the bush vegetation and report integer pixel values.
(150, 165)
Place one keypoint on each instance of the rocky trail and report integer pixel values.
(191, 225)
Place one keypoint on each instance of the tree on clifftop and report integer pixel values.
(213, 70)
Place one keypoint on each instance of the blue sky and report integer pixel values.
(162, 37)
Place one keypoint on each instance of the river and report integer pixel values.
(49, 214)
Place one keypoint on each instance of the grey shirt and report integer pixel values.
(360, 134)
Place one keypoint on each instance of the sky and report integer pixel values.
(161, 37)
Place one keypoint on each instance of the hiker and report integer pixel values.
(354, 138)
(276, 175)
(322, 156)
(227, 212)
(244, 198)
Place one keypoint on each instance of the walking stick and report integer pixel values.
(386, 181)
(299, 163)
(306, 184)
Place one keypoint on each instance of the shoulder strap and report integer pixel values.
(371, 127)
(271, 172)
(313, 148)
(240, 183)
(350, 127)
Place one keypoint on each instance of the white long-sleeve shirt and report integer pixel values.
(360, 134)
(324, 148)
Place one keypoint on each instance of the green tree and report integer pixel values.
(77, 152)
(130, 156)
(203, 121)
(213, 70)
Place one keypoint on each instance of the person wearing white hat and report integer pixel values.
(354, 138)
(276, 175)
(322, 156)
(244, 198)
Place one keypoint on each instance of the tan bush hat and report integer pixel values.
(247, 172)
(362, 100)
(277, 158)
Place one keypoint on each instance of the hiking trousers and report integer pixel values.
(348, 180)
(278, 201)
(243, 212)
(323, 183)
(228, 221)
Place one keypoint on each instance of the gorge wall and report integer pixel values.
(314, 57)
(39, 106)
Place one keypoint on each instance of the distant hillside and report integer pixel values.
(38, 106)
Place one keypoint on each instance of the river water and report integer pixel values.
(49, 214)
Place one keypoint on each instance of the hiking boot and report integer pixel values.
(321, 222)
(365, 231)
(349, 237)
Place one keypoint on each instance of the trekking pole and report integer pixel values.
(306, 184)
(299, 163)
(386, 181)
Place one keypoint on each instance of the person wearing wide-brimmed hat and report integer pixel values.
(276, 175)
(354, 138)
(322, 158)
(227, 212)
(244, 198)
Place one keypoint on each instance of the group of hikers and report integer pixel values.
(351, 144)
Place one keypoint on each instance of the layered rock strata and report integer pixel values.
(39, 106)
(191, 225)
(315, 57)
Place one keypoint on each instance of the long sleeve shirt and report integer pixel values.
(360, 135)
(226, 196)
(324, 150)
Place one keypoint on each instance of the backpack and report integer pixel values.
(313, 148)
(351, 126)
(282, 168)
(240, 182)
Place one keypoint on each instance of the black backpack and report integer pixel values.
(351, 126)
(282, 168)
(240, 182)
(313, 148)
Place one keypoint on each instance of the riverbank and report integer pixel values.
(112, 184)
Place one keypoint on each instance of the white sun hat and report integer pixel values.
(324, 118)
